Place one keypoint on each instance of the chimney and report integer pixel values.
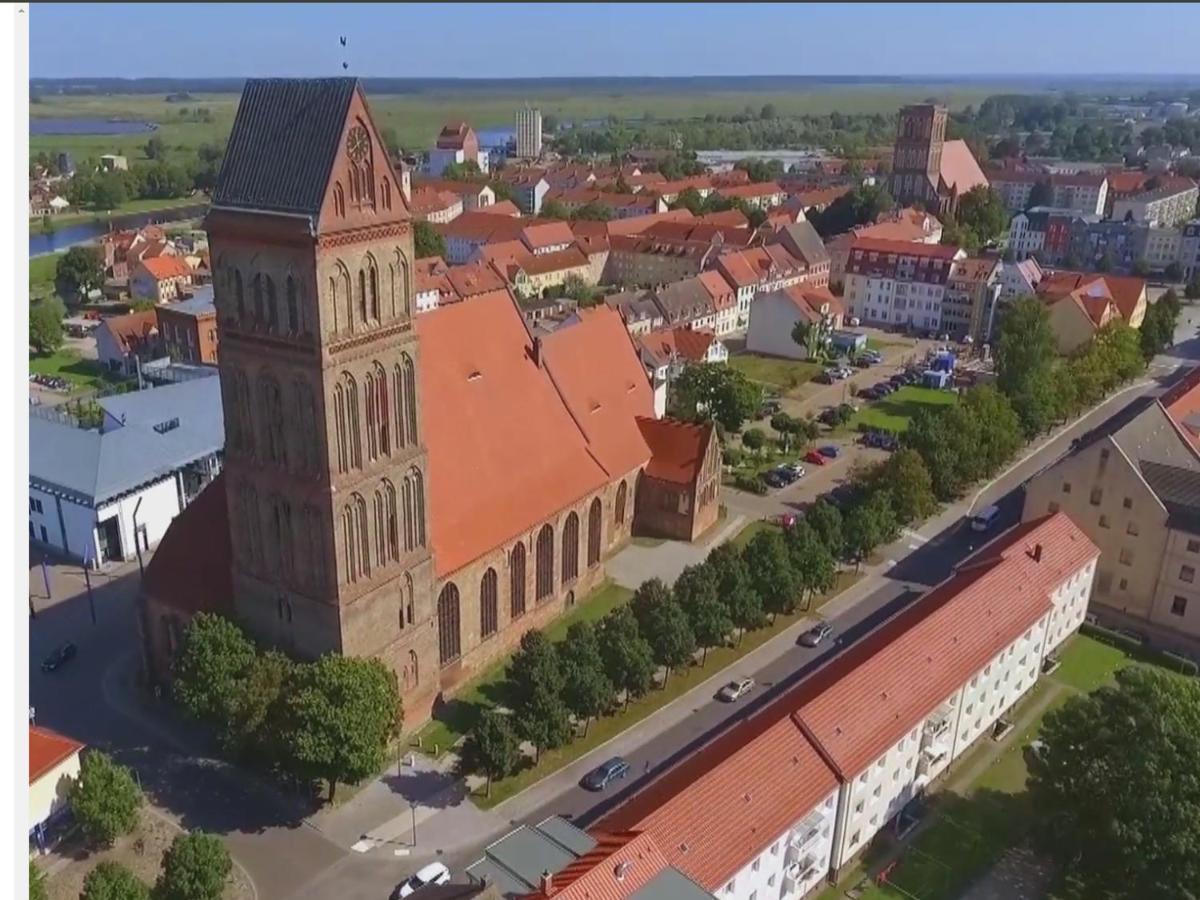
(537, 352)
(1037, 553)
(547, 883)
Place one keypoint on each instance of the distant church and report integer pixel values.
(926, 168)
(421, 489)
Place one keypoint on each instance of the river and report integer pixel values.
(70, 235)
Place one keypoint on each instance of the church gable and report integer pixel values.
(362, 188)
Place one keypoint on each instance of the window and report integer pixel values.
(1103, 459)
(594, 538)
(544, 564)
(516, 573)
(1132, 529)
(1097, 496)
(1127, 503)
(775, 849)
(858, 807)
(1187, 573)
(854, 839)
(1179, 606)
(449, 639)
(570, 549)
(488, 604)
(1126, 557)
(771, 881)
(1052, 507)
(35, 505)
(1123, 584)
(754, 868)
(1104, 521)
(729, 888)
(1193, 546)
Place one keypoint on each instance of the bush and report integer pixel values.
(744, 481)
(113, 881)
(104, 799)
(195, 867)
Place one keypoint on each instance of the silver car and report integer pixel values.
(736, 690)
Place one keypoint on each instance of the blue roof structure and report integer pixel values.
(145, 436)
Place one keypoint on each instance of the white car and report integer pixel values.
(853, 321)
(434, 873)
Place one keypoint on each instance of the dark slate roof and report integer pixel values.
(681, 301)
(806, 240)
(1179, 491)
(670, 884)
(283, 144)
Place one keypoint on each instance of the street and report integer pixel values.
(274, 838)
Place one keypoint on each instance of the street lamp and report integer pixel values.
(412, 805)
(87, 579)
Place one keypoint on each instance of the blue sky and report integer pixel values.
(525, 40)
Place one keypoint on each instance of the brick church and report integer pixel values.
(927, 169)
(422, 489)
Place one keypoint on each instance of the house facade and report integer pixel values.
(895, 283)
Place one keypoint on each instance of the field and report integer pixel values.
(132, 206)
(774, 372)
(417, 118)
(894, 411)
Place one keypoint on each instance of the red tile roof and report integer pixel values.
(809, 300)
(1127, 182)
(595, 368)
(192, 568)
(737, 269)
(47, 749)
(1181, 402)
(594, 876)
(133, 329)
(504, 453)
(546, 234)
(500, 208)
(677, 449)
(960, 626)
(666, 344)
(1126, 291)
(960, 170)
(728, 218)
(904, 248)
(474, 278)
(747, 191)
(820, 197)
(428, 200)
(164, 267)
(719, 288)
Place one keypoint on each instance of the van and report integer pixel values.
(985, 518)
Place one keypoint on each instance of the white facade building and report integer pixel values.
(529, 132)
(898, 283)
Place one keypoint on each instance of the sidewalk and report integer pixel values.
(635, 564)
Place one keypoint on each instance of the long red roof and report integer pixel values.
(47, 749)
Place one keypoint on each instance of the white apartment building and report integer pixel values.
(1161, 246)
(1165, 206)
(1189, 250)
(1019, 279)
(529, 132)
(898, 283)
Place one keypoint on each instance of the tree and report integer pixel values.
(983, 212)
(586, 688)
(595, 211)
(536, 666)
(338, 715)
(768, 111)
(860, 206)
(492, 749)
(1173, 272)
(104, 799)
(391, 141)
(771, 574)
(1026, 352)
(544, 720)
(550, 123)
(37, 882)
(825, 519)
(155, 148)
(108, 191)
(250, 730)
(427, 241)
(909, 484)
(554, 209)
(1192, 291)
(814, 566)
(113, 881)
(45, 325)
(1114, 785)
(195, 867)
(754, 439)
(870, 523)
(211, 666)
(1157, 332)
(463, 171)
(735, 588)
(664, 625)
(79, 272)
(502, 189)
(999, 429)
(715, 391)
(697, 592)
(628, 657)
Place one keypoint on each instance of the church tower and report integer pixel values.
(917, 157)
(325, 464)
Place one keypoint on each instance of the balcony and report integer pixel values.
(937, 725)
(799, 874)
(930, 756)
(804, 839)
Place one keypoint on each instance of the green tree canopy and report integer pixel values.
(628, 657)
(1115, 787)
(754, 439)
(715, 391)
(554, 209)
(46, 325)
(492, 749)
(536, 666)
(771, 574)
(983, 212)
(79, 272)
(594, 211)
(463, 171)
(870, 523)
(250, 729)
(586, 687)
(427, 241)
(211, 666)
(112, 881)
(826, 520)
(1026, 352)
(37, 882)
(104, 799)
(195, 867)
(698, 593)
(338, 715)
(155, 148)
(814, 566)
(735, 587)
(909, 484)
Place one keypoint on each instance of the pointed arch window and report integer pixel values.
(339, 200)
(489, 616)
(544, 564)
(619, 508)
(408, 603)
(410, 398)
(314, 546)
(594, 521)
(570, 549)
(258, 300)
(362, 296)
(272, 306)
(239, 295)
(293, 306)
(306, 425)
(516, 579)
(275, 432)
(414, 668)
(449, 636)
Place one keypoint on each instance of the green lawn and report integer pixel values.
(773, 371)
(743, 537)
(881, 344)
(894, 411)
(41, 275)
(132, 206)
(69, 365)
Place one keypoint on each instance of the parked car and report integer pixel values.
(815, 635)
(769, 408)
(795, 470)
(434, 873)
(869, 394)
(59, 657)
(880, 439)
(735, 690)
(863, 363)
(845, 372)
(605, 773)
(854, 321)
(814, 457)
(825, 378)
(832, 451)
(775, 479)
(884, 388)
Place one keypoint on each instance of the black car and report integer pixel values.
(824, 378)
(775, 479)
(883, 389)
(863, 363)
(605, 773)
(59, 657)
(869, 394)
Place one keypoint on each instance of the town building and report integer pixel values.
(1189, 251)
(529, 132)
(457, 143)
(125, 342)
(1127, 292)
(160, 278)
(532, 275)
(638, 310)
(909, 224)
(760, 195)
(678, 496)
(1164, 202)
(1156, 247)
(723, 297)
(1019, 279)
(475, 195)
(926, 168)
(418, 489)
(431, 204)
(775, 314)
(1085, 193)
(898, 283)
(100, 493)
(969, 304)
(529, 187)
(1134, 493)
(112, 162)
(619, 206)
(801, 240)
(471, 231)
(1076, 315)
(53, 767)
(666, 351)
(187, 330)
(687, 303)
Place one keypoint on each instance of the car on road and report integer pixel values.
(434, 873)
(814, 457)
(605, 773)
(985, 518)
(816, 635)
(59, 657)
(735, 690)
(831, 451)
(775, 479)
